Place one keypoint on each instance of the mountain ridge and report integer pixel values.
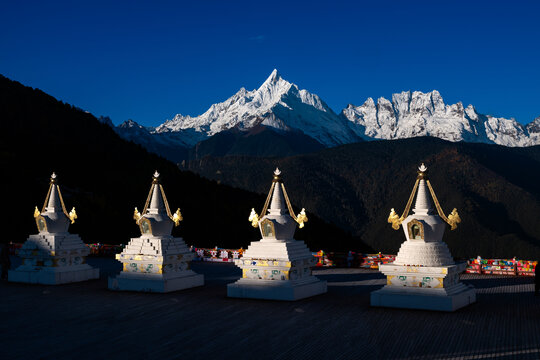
(283, 107)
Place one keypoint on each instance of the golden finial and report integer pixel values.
(254, 218)
(36, 212)
(72, 215)
(53, 177)
(177, 217)
(155, 178)
(302, 218)
(422, 173)
(277, 174)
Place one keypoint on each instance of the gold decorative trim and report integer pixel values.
(453, 219)
(393, 217)
(72, 215)
(136, 215)
(177, 217)
(267, 202)
(254, 218)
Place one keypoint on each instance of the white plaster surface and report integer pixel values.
(53, 259)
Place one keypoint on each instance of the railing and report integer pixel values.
(352, 259)
(99, 249)
(478, 265)
(501, 267)
(218, 254)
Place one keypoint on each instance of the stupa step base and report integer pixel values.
(288, 292)
(159, 285)
(53, 277)
(393, 299)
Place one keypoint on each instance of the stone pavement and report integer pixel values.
(87, 321)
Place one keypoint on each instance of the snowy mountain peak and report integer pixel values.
(277, 103)
(282, 106)
(412, 114)
(273, 78)
(534, 126)
(130, 124)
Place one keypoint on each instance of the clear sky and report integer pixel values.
(151, 60)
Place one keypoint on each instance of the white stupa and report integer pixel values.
(424, 274)
(156, 261)
(53, 256)
(277, 267)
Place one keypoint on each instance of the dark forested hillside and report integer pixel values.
(105, 177)
(259, 141)
(496, 189)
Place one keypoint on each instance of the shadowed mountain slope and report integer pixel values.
(496, 190)
(105, 177)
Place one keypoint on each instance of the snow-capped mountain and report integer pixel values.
(284, 108)
(412, 114)
(171, 146)
(276, 103)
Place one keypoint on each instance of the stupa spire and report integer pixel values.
(277, 205)
(422, 205)
(53, 202)
(157, 204)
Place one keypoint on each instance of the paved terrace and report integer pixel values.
(87, 321)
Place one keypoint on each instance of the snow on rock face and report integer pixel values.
(276, 103)
(426, 114)
(282, 106)
(534, 131)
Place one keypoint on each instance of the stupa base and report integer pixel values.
(53, 276)
(424, 301)
(152, 283)
(271, 290)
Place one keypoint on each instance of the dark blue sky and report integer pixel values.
(150, 60)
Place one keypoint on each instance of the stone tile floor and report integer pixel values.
(87, 321)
